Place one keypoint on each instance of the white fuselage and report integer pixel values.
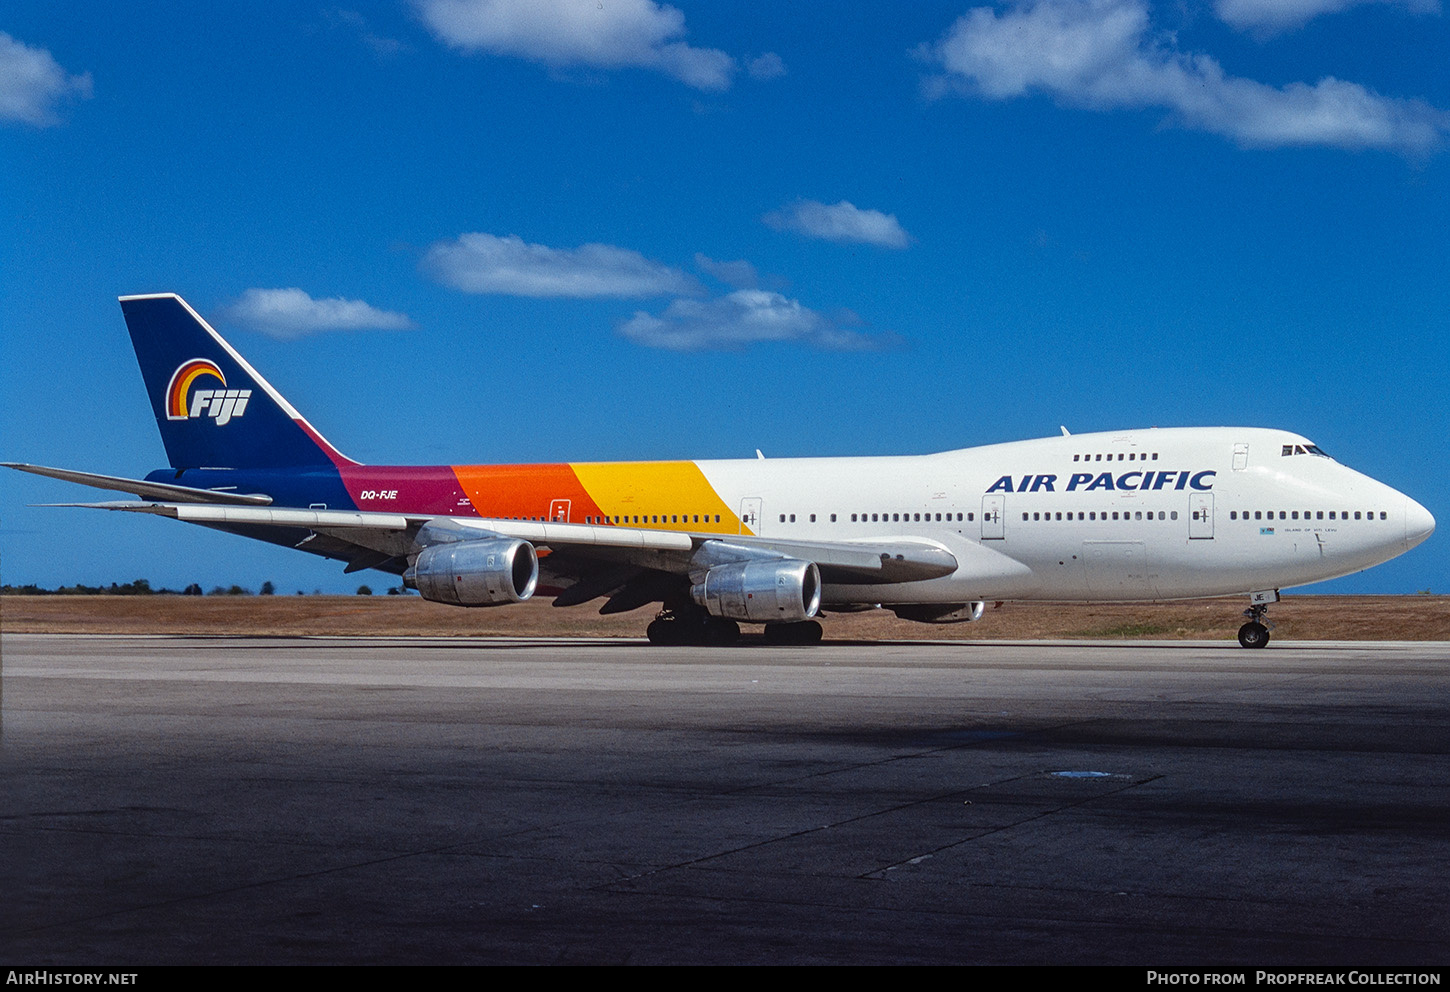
(1132, 515)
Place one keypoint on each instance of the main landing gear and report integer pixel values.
(1255, 633)
(801, 632)
(694, 628)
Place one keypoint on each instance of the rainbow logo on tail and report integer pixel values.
(219, 404)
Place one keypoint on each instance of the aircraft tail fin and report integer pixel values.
(213, 409)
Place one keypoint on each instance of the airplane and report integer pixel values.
(1124, 516)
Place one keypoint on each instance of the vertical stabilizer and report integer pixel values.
(213, 409)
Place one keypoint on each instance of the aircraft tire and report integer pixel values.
(719, 632)
(1253, 635)
(802, 632)
(664, 632)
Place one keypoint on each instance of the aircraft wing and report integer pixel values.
(602, 558)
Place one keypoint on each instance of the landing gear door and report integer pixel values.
(1200, 516)
(992, 509)
(750, 515)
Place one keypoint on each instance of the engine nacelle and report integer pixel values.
(761, 591)
(476, 573)
(940, 612)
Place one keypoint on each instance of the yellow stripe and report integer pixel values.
(658, 489)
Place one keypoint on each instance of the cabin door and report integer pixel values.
(1200, 516)
(750, 515)
(992, 509)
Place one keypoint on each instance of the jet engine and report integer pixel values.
(783, 589)
(476, 573)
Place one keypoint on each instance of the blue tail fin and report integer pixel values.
(214, 410)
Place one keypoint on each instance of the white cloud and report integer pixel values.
(767, 66)
(291, 313)
(1271, 16)
(746, 317)
(840, 222)
(356, 23)
(484, 263)
(32, 83)
(740, 274)
(1099, 54)
(620, 33)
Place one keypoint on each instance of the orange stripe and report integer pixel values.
(541, 492)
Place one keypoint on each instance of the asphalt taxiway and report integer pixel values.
(251, 800)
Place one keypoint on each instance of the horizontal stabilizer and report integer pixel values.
(145, 490)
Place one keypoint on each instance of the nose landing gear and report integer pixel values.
(1255, 633)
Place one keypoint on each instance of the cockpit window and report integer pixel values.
(1303, 449)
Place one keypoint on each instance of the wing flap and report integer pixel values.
(383, 536)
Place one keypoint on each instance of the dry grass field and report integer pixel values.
(1410, 618)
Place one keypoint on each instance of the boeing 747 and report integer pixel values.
(1124, 516)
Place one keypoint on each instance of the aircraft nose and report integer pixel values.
(1419, 524)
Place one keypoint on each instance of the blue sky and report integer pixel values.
(484, 231)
